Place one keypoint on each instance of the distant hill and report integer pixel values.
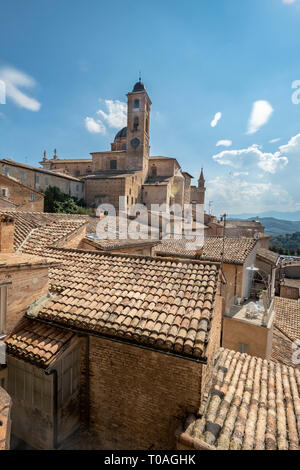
(275, 226)
(293, 216)
(288, 244)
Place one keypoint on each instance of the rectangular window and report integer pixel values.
(4, 192)
(113, 164)
(54, 183)
(3, 309)
(46, 181)
(22, 176)
(136, 104)
(6, 171)
(77, 187)
(243, 348)
(32, 197)
(37, 178)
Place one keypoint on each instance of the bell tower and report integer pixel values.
(138, 122)
(201, 187)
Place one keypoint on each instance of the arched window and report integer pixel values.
(136, 104)
(136, 123)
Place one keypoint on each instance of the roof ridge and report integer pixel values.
(135, 256)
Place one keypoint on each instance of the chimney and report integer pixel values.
(199, 253)
(7, 232)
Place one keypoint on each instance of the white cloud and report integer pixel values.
(116, 115)
(251, 156)
(292, 148)
(216, 119)
(273, 141)
(224, 143)
(14, 79)
(260, 115)
(240, 173)
(237, 195)
(94, 127)
(288, 2)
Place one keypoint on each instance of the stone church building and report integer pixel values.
(127, 169)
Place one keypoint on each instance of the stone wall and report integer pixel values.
(72, 167)
(258, 338)
(101, 160)
(41, 179)
(138, 397)
(23, 287)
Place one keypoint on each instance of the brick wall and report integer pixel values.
(138, 397)
(213, 346)
(26, 285)
(74, 240)
(21, 196)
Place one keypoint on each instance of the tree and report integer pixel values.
(59, 202)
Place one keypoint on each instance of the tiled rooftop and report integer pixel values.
(9, 161)
(37, 342)
(159, 302)
(236, 250)
(114, 244)
(287, 317)
(282, 348)
(268, 255)
(39, 228)
(253, 404)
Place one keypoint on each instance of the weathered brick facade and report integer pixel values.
(138, 397)
(25, 198)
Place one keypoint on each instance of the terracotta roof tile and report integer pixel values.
(268, 255)
(37, 342)
(253, 404)
(38, 229)
(122, 295)
(287, 317)
(236, 250)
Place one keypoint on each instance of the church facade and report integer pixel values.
(127, 169)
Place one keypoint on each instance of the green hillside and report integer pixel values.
(288, 244)
(278, 227)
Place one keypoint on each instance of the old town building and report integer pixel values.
(128, 169)
(128, 347)
(18, 196)
(40, 179)
(146, 316)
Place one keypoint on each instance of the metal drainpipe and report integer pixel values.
(55, 406)
(235, 281)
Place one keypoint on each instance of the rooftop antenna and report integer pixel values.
(140, 76)
(223, 219)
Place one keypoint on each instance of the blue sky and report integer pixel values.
(68, 65)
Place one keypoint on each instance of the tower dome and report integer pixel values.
(121, 134)
(139, 86)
